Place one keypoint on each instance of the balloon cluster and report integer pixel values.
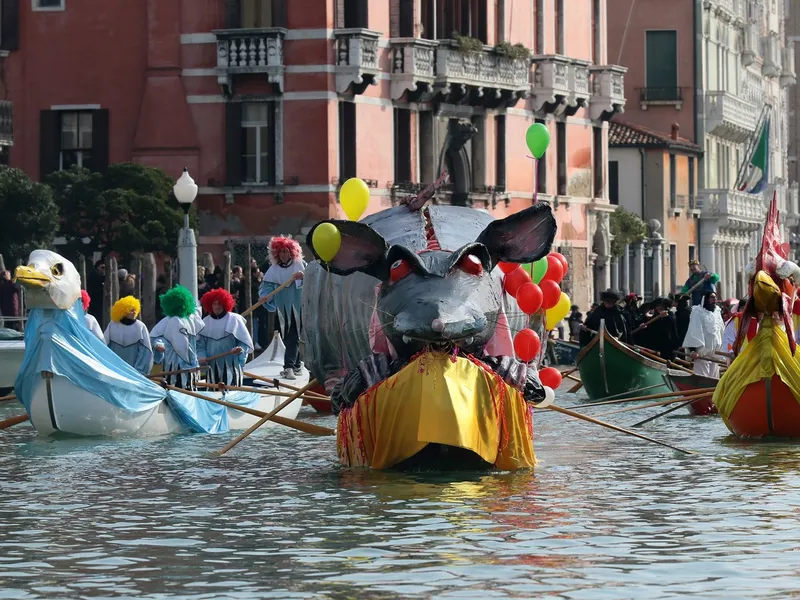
(536, 286)
(354, 198)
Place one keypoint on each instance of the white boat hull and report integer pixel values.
(59, 406)
(11, 355)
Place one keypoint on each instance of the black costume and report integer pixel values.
(615, 321)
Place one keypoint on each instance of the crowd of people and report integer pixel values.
(694, 320)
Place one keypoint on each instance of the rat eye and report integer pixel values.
(400, 268)
(57, 270)
(471, 264)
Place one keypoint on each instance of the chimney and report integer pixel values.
(675, 130)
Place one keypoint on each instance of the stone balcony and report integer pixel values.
(730, 117)
(608, 92)
(733, 209)
(486, 78)
(788, 74)
(413, 68)
(250, 52)
(356, 59)
(6, 123)
(560, 84)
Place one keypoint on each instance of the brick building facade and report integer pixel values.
(272, 103)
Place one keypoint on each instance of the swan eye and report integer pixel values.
(400, 268)
(471, 264)
(57, 270)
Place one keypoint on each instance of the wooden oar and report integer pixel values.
(9, 397)
(269, 415)
(641, 398)
(661, 414)
(655, 404)
(13, 421)
(568, 372)
(575, 415)
(256, 390)
(294, 424)
(620, 395)
(178, 372)
(279, 382)
(575, 387)
(211, 359)
(650, 322)
(266, 298)
(670, 364)
(708, 358)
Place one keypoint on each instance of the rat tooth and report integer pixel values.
(469, 340)
(406, 339)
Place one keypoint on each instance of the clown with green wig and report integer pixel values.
(128, 337)
(175, 337)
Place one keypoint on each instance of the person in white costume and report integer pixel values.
(225, 337)
(91, 322)
(174, 337)
(704, 336)
(128, 337)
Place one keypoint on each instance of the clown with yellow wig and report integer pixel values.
(224, 339)
(128, 337)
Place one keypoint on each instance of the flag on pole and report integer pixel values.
(756, 174)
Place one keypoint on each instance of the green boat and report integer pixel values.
(608, 368)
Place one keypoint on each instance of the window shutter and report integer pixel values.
(9, 25)
(406, 18)
(279, 13)
(100, 141)
(49, 122)
(233, 144)
(233, 15)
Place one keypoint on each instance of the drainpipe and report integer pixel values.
(643, 157)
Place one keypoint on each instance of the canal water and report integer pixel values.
(603, 516)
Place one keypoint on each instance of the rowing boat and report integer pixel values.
(690, 382)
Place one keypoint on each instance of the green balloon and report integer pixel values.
(539, 270)
(538, 139)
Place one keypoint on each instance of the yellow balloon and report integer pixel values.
(326, 240)
(554, 315)
(354, 198)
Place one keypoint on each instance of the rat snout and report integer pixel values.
(439, 328)
(437, 325)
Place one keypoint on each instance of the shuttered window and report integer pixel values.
(258, 142)
(402, 145)
(73, 138)
(662, 65)
(9, 25)
(347, 140)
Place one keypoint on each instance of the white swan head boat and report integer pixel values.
(70, 382)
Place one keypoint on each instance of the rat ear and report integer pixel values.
(523, 237)
(363, 249)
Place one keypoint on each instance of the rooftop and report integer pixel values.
(626, 135)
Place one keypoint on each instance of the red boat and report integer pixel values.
(691, 382)
(321, 406)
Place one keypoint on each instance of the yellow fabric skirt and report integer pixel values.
(768, 354)
(438, 398)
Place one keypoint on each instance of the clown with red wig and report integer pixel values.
(224, 338)
(287, 263)
(91, 322)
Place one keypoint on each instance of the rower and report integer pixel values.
(91, 322)
(696, 275)
(704, 337)
(175, 337)
(608, 310)
(224, 338)
(128, 337)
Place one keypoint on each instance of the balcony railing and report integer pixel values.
(6, 123)
(788, 75)
(730, 117)
(743, 210)
(608, 91)
(413, 67)
(356, 59)
(653, 95)
(560, 84)
(250, 51)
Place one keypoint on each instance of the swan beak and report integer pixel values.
(29, 276)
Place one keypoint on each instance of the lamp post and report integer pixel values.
(185, 190)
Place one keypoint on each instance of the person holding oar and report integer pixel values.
(704, 337)
(224, 341)
(660, 334)
(608, 311)
(700, 282)
(174, 337)
(128, 337)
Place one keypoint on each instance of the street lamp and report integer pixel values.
(185, 190)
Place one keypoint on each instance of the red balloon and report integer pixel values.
(551, 377)
(529, 298)
(515, 280)
(752, 329)
(551, 293)
(507, 267)
(527, 345)
(795, 308)
(555, 270)
(562, 260)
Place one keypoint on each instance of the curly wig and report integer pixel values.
(123, 306)
(218, 295)
(86, 300)
(279, 243)
(177, 302)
